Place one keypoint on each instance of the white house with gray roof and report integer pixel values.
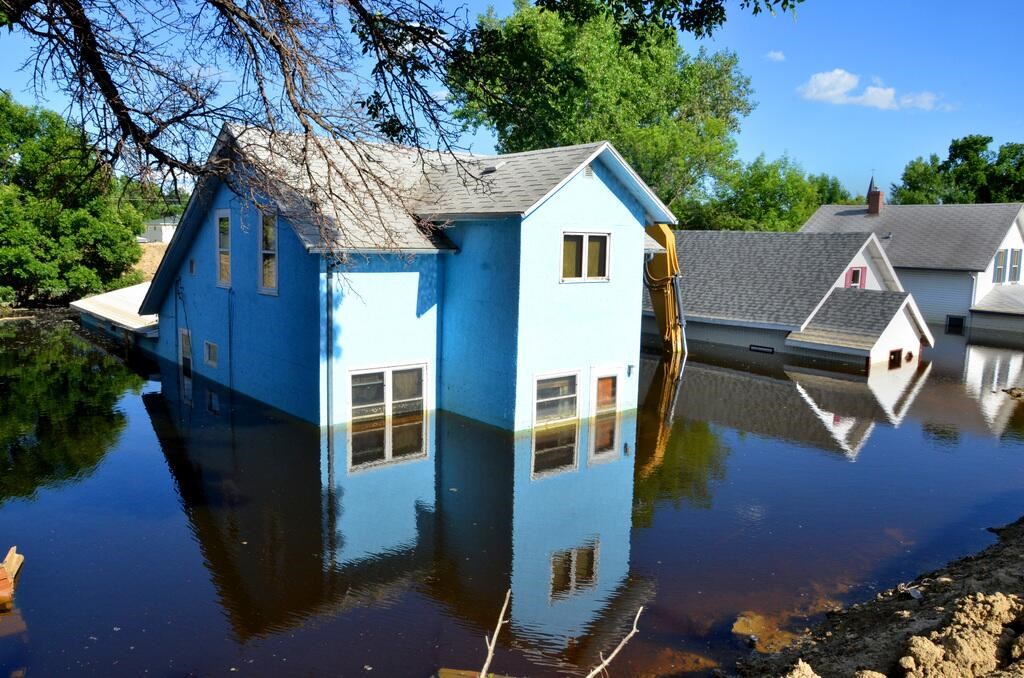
(832, 297)
(962, 263)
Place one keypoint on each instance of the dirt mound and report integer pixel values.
(964, 620)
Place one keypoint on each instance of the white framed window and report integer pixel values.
(268, 253)
(388, 422)
(223, 235)
(212, 402)
(573, 570)
(210, 353)
(999, 270)
(185, 364)
(556, 424)
(585, 257)
(604, 421)
(1015, 256)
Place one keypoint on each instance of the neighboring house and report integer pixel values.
(962, 263)
(819, 296)
(116, 315)
(511, 298)
(160, 230)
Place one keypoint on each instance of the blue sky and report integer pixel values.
(845, 87)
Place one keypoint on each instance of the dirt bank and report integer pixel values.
(152, 255)
(966, 619)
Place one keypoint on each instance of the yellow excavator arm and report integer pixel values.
(663, 280)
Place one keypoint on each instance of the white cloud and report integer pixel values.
(775, 55)
(839, 87)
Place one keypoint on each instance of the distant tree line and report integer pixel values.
(970, 173)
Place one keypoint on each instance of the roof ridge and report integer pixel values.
(550, 149)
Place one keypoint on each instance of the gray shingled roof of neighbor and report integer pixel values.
(1008, 299)
(949, 237)
(652, 246)
(851, 318)
(772, 279)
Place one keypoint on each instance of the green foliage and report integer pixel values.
(58, 414)
(539, 81)
(149, 199)
(971, 173)
(61, 233)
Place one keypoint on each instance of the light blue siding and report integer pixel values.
(266, 344)
(580, 326)
(480, 321)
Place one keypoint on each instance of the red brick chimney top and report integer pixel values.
(876, 199)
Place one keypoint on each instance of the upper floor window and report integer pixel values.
(585, 256)
(388, 416)
(223, 247)
(1015, 256)
(999, 270)
(268, 253)
(857, 277)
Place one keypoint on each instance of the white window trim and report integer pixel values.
(186, 382)
(428, 407)
(551, 424)
(271, 291)
(586, 240)
(217, 215)
(999, 271)
(617, 371)
(1014, 269)
(206, 353)
(573, 588)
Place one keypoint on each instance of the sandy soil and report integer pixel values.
(152, 254)
(966, 619)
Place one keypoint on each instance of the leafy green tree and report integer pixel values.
(149, 199)
(61, 233)
(58, 414)
(539, 80)
(831, 192)
(971, 173)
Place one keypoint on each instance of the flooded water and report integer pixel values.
(191, 532)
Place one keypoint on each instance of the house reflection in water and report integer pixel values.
(292, 523)
(823, 410)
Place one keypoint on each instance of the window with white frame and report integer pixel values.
(999, 271)
(210, 353)
(573, 570)
(604, 428)
(556, 424)
(268, 253)
(388, 415)
(185, 364)
(223, 248)
(585, 256)
(1015, 256)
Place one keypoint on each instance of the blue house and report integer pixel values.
(506, 288)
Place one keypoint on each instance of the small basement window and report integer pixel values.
(895, 359)
(955, 324)
(584, 256)
(210, 353)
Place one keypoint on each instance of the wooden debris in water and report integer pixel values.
(9, 569)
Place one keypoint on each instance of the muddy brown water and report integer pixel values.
(193, 532)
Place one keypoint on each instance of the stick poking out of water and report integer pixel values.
(493, 640)
(605, 662)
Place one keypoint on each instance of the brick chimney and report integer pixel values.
(876, 199)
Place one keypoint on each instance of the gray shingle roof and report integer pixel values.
(760, 278)
(956, 237)
(1007, 299)
(852, 318)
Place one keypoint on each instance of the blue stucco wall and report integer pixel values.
(267, 344)
(479, 321)
(580, 326)
(384, 314)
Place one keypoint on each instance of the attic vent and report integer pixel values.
(588, 171)
(491, 169)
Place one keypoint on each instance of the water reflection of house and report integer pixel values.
(965, 393)
(824, 410)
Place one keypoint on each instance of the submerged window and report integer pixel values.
(604, 429)
(210, 353)
(585, 256)
(556, 431)
(955, 324)
(268, 253)
(1015, 256)
(999, 271)
(223, 247)
(388, 416)
(572, 570)
(185, 364)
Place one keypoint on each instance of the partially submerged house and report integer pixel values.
(477, 294)
(832, 297)
(962, 263)
(116, 315)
